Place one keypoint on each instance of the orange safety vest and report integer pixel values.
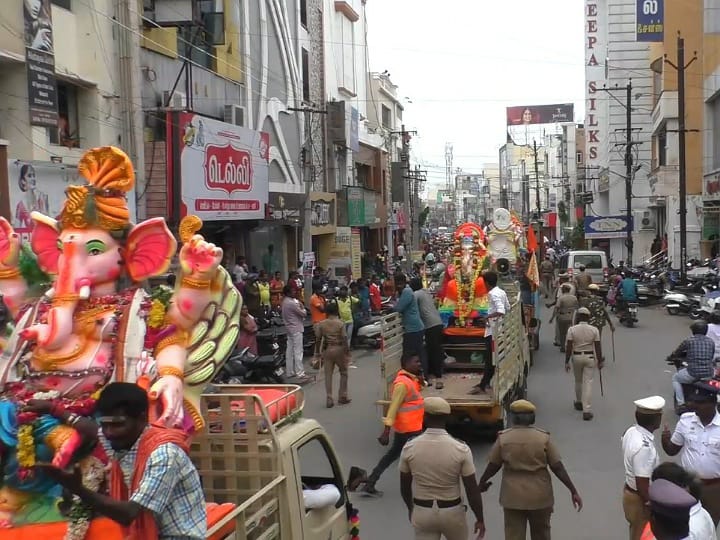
(647, 533)
(409, 417)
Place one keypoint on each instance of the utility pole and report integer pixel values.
(682, 180)
(628, 171)
(537, 181)
(306, 156)
(524, 192)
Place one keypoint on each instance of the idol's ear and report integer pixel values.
(44, 242)
(149, 249)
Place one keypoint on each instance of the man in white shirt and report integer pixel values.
(640, 459)
(697, 439)
(499, 307)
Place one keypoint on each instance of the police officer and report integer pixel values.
(583, 347)
(599, 315)
(565, 307)
(697, 439)
(432, 467)
(640, 459)
(669, 511)
(525, 452)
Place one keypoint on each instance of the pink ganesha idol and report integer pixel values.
(97, 324)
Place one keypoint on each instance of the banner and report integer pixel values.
(223, 169)
(356, 206)
(322, 218)
(525, 115)
(40, 62)
(607, 227)
(356, 253)
(649, 17)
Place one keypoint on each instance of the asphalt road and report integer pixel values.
(591, 450)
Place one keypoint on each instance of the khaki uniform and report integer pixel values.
(582, 280)
(437, 462)
(526, 493)
(564, 311)
(332, 340)
(583, 337)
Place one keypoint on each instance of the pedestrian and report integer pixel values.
(640, 459)
(240, 270)
(276, 288)
(433, 331)
(247, 338)
(270, 261)
(582, 280)
(317, 307)
(345, 309)
(293, 315)
(432, 468)
(401, 251)
(332, 344)
(698, 351)
(499, 307)
(696, 439)
(583, 347)
(547, 273)
(388, 286)
(598, 312)
(565, 307)
(252, 295)
(160, 495)
(264, 291)
(713, 332)
(413, 328)
(700, 524)
(669, 511)
(375, 294)
(524, 453)
(404, 416)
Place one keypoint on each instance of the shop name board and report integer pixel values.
(595, 53)
(228, 168)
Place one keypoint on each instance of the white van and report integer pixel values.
(595, 263)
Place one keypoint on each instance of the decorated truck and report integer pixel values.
(464, 305)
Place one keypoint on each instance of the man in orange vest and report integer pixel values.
(404, 416)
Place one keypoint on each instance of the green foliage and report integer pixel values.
(577, 237)
(563, 213)
(37, 280)
(162, 293)
(422, 218)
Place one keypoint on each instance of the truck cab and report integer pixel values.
(258, 453)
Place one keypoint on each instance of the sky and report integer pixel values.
(461, 62)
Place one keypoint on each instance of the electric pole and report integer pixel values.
(537, 180)
(628, 171)
(682, 180)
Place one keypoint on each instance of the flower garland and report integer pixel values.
(80, 514)
(466, 285)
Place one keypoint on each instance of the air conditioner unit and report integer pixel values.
(177, 101)
(647, 220)
(234, 114)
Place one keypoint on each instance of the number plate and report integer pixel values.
(633, 310)
(279, 371)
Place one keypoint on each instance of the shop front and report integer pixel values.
(368, 217)
(710, 242)
(219, 172)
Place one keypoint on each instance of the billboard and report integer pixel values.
(525, 115)
(607, 227)
(649, 20)
(40, 61)
(322, 218)
(223, 169)
(596, 105)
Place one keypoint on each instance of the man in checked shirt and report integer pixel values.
(699, 353)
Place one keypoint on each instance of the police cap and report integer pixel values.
(650, 405)
(583, 311)
(702, 391)
(436, 406)
(670, 500)
(522, 406)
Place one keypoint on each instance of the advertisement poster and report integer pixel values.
(322, 218)
(649, 19)
(223, 169)
(356, 250)
(308, 264)
(525, 115)
(37, 187)
(607, 227)
(40, 61)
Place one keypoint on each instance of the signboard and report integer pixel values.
(356, 253)
(35, 186)
(223, 169)
(607, 227)
(649, 20)
(40, 62)
(322, 217)
(525, 115)
(596, 105)
(308, 263)
(356, 206)
(285, 207)
(603, 180)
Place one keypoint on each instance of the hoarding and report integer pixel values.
(40, 62)
(223, 169)
(607, 226)
(525, 115)
(322, 218)
(596, 105)
(649, 20)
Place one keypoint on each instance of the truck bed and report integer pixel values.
(457, 387)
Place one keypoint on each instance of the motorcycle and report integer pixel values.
(709, 304)
(629, 316)
(369, 333)
(677, 302)
(245, 367)
(679, 363)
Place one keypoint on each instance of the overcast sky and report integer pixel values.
(461, 62)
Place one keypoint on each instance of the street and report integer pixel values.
(590, 450)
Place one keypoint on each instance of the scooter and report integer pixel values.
(677, 302)
(248, 368)
(369, 333)
(629, 316)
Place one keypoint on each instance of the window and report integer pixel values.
(386, 117)
(399, 113)
(662, 148)
(591, 262)
(363, 174)
(68, 130)
(306, 76)
(318, 468)
(303, 13)
(712, 17)
(347, 55)
(62, 3)
(192, 43)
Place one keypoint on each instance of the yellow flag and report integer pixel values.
(532, 271)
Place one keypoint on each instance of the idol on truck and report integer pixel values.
(506, 236)
(97, 324)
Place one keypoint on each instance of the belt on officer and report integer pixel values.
(428, 503)
(710, 481)
(631, 490)
(587, 353)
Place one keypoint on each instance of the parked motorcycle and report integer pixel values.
(245, 367)
(677, 302)
(369, 333)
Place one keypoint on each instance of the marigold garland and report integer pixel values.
(25, 447)
(156, 317)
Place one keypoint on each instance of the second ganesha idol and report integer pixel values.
(97, 324)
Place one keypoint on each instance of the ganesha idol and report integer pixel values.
(96, 324)
(505, 236)
(464, 299)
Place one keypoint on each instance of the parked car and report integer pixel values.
(595, 263)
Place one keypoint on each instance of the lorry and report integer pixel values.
(511, 357)
(259, 454)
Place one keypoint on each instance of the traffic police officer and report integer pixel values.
(525, 452)
(640, 459)
(432, 466)
(669, 511)
(697, 435)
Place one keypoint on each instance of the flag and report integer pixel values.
(532, 244)
(532, 270)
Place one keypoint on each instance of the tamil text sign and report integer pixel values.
(540, 114)
(223, 169)
(649, 20)
(607, 227)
